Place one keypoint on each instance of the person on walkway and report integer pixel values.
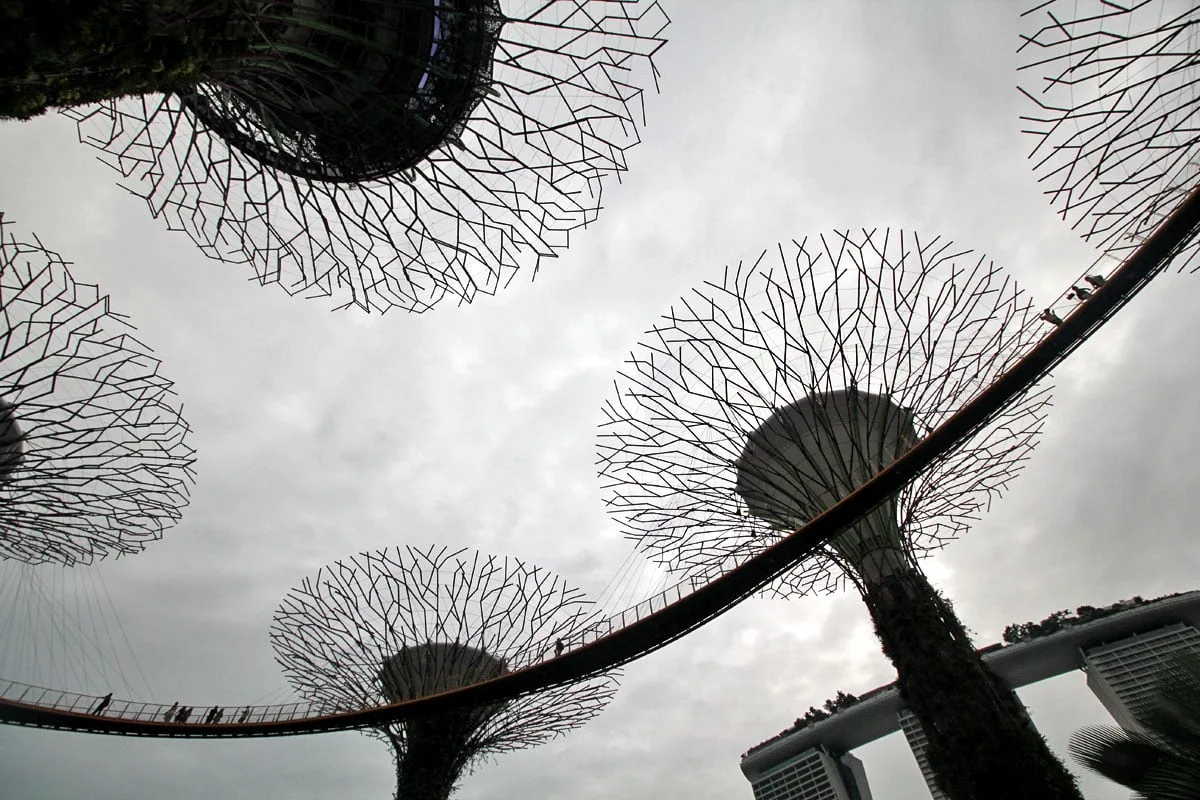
(183, 714)
(170, 712)
(1051, 317)
(559, 647)
(245, 714)
(103, 704)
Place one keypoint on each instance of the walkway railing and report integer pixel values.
(77, 703)
(136, 711)
(639, 611)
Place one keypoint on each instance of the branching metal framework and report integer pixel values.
(92, 445)
(515, 164)
(1115, 96)
(884, 314)
(403, 623)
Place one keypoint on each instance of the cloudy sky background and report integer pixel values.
(321, 434)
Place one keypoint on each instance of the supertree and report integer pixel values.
(402, 623)
(761, 399)
(93, 454)
(1114, 97)
(385, 153)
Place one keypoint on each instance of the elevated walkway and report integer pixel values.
(672, 614)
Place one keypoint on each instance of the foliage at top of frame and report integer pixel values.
(1061, 620)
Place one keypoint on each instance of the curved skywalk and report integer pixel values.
(670, 615)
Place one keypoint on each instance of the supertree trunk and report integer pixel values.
(761, 400)
(982, 745)
(430, 761)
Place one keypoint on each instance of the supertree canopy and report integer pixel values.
(398, 624)
(761, 399)
(93, 454)
(385, 153)
(1113, 94)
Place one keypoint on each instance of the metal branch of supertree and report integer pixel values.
(93, 454)
(400, 153)
(407, 622)
(761, 399)
(1114, 97)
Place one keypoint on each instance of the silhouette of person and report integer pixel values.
(103, 704)
(220, 715)
(245, 715)
(559, 647)
(184, 713)
(211, 715)
(170, 712)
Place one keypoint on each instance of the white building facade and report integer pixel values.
(814, 774)
(1122, 674)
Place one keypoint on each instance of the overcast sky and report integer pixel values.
(322, 434)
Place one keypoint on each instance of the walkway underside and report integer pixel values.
(665, 618)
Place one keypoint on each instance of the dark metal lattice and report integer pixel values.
(93, 451)
(353, 90)
(1116, 90)
(515, 163)
(395, 624)
(877, 315)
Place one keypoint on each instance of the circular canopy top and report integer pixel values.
(810, 454)
(353, 90)
(420, 670)
(732, 421)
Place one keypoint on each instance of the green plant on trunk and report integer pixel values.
(56, 53)
(981, 743)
